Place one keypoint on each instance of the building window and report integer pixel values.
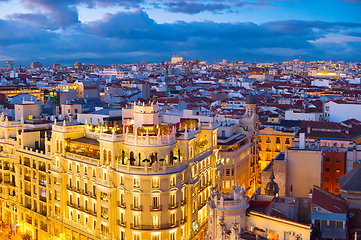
(136, 220)
(122, 235)
(327, 170)
(338, 160)
(155, 183)
(172, 181)
(227, 172)
(327, 159)
(155, 202)
(287, 141)
(337, 190)
(173, 219)
(172, 236)
(338, 170)
(327, 179)
(121, 180)
(136, 182)
(336, 180)
(155, 237)
(326, 188)
(155, 222)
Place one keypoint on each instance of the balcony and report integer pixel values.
(122, 205)
(136, 208)
(268, 141)
(28, 193)
(43, 199)
(202, 205)
(84, 192)
(173, 205)
(42, 168)
(44, 213)
(183, 220)
(155, 226)
(156, 208)
(121, 223)
(184, 201)
(105, 216)
(94, 213)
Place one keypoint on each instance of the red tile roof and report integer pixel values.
(328, 201)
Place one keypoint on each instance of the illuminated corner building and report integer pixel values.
(144, 180)
(238, 151)
(25, 188)
(140, 181)
(250, 122)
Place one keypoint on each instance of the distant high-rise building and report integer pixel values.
(56, 66)
(224, 62)
(36, 65)
(10, 63)
(77, 65)
(143, 62)
(177, 59)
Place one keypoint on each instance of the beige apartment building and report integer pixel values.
(136, 181)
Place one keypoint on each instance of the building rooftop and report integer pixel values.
(351, 181)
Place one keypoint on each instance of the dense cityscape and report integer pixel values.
(181, 149)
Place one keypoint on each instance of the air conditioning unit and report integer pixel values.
(315, 208)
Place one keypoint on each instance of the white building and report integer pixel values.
(338, 111)
(177, 59)
(226, 212)
(297, 115)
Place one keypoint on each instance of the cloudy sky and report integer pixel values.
(121, 31)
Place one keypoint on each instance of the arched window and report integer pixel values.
(105, 157)
(57, 146)
(109, 156)
(131, 158)
(123, 156)
(171, 155)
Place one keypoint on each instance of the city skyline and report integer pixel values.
(107, 32)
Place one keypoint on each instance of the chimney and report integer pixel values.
(302, 141)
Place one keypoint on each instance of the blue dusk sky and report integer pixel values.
(126, 31)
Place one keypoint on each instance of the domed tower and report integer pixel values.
(250, 105)
(272, 187)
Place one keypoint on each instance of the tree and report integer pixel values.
(26, 236)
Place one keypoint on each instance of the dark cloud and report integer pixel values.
(15, 32)
(134, 35)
